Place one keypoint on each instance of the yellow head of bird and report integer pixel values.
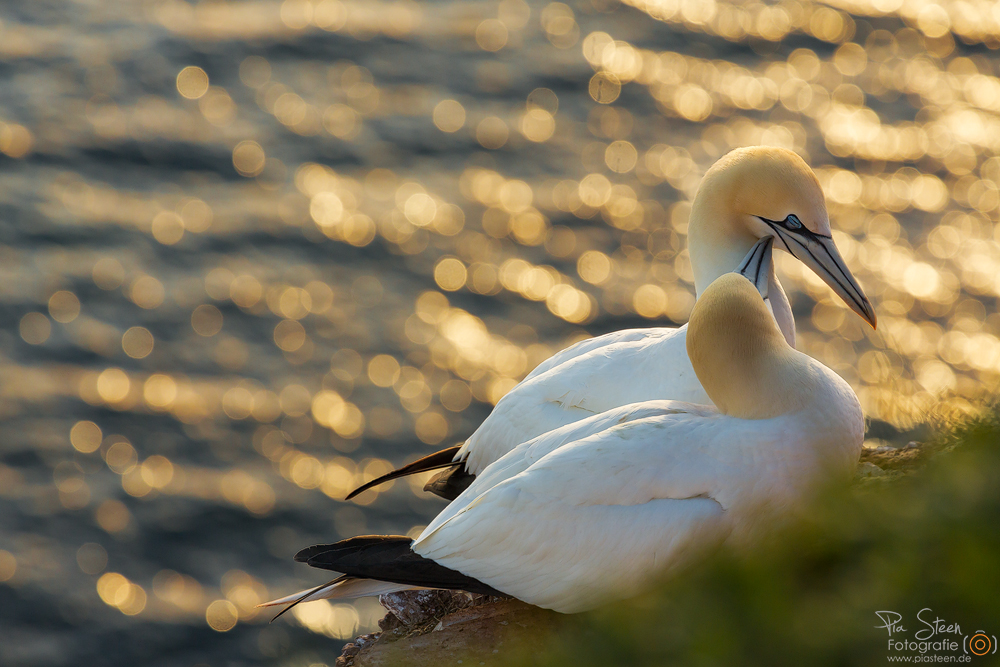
(736, 348)
(763, 191)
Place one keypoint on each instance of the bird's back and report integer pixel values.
(604, 373)
(601, 517)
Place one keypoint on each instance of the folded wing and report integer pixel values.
(595, 519)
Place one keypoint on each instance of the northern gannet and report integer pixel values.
(598, 509)
(750, 193)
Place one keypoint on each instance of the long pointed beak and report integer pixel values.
(755, 265)
(821, 255)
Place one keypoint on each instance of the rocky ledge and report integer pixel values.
(432, 628)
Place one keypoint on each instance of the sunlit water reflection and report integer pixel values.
(255, 253)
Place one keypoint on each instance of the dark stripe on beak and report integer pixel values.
(826, 262)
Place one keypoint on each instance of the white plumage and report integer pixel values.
(749, 194)
(598, 509)
(614, 370)
(593, 511)
(342, 587)
(568, 527)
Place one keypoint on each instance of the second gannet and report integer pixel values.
(597, 510)
(750, 193)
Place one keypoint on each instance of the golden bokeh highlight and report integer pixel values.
(168, 227)
(8, 565)
(289, 335)
(331, 15)
(180, 591)
(383, 370)
(594, 267)
(115, 590)
(455, 395)
(559, 23)
(206, 320)
(605, 87)
(621, 156)
(337, 621)
(35, 328)
(121, 456)
(492, 133)
(514, 14)
(137, 342)
(16, 141)
(650, 301)
(217, 106)
(160, 391)
(342, 121)
(108, 273)
(222, 615)
(113, 385)
(491, 35)
(537, 125)
(330, 410)
(196, 215)
(431, 428)
(64, 306)
(249, 158)
(449, 116)
(450, 274)
(86, 437)
(147, 292)
(192, 82)
(244, 290)
(157, 471)
(113, 516)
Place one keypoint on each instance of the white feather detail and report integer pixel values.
(346, 589)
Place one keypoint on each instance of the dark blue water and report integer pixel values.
(248, 260)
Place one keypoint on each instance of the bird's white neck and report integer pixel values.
(777, 302)
(718, 241)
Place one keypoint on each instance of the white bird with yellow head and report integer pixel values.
(749, 194)
(599, 509)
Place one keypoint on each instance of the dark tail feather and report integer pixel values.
(388, 558)
(450, 483)
(435, 461)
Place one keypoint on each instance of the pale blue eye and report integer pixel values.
(792, 222)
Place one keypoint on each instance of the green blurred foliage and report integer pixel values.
(809, 596)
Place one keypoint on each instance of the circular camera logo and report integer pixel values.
(980, 644)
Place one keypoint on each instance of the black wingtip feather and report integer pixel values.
(436, 461)
(388, 558)
(350, 545)
(450, 483)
